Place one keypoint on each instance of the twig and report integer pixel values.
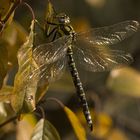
(13, 8)
(8, 121)
(30, 8)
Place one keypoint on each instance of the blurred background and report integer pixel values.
(113, 97)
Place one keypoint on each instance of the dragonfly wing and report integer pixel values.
(52, 72)
(51, 52)
(100, 58)
(50, 59)
(110, 34)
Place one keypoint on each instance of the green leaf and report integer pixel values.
(125, 81)
(25, 86)
(44, 130)
(78, 128)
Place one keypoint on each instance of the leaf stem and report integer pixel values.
(8, 121)
(30, 9)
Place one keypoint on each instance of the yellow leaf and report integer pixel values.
(25, 127)
(44, 130)
(116, 134)
(25, 85)
(3, 61)
(81, 24)
(49, 16)
(103, 125)
(41, 91)
(6, 93)
(78, 128)
(50, 11)
(125, 81)
(14, 35)
(4, 7)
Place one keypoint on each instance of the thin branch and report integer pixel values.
(8, 121)
(30, 8)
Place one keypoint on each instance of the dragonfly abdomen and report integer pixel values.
(79, 87)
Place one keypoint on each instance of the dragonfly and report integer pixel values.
(93, 50)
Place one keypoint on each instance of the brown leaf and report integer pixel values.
(25, 86)
(3, 61)
(6, 93)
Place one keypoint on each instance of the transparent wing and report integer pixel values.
(110, 34)
(97, 58)
(94, 51)
(51, 59)
(51, 72)
(45, 54)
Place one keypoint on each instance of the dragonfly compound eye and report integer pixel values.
(64, 20)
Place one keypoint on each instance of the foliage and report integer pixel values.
(26, 99)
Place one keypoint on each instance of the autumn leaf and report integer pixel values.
(6, 93)
(6, 112)
(14, 36)
(25, 85)
(103, 125)
(50, 12)
(125, 81)
(3, 61)
(4, 7)
(44, 130)
(25, 127)
(78, 128)
(117, 134)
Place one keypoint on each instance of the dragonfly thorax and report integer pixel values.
(64, 25)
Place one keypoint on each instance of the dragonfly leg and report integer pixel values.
(48, 34)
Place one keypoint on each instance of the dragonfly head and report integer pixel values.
(63, 18)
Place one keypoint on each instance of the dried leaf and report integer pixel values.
(50, 11)
(3, 61)
(41, 91)
(78, 128)
(125, 81)
(25, 86)
(14, 35)
(3, 112)
(6, 93)
(103, 125)
(116, 134)
(49, 16)
(4, 7)
(44, 130)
